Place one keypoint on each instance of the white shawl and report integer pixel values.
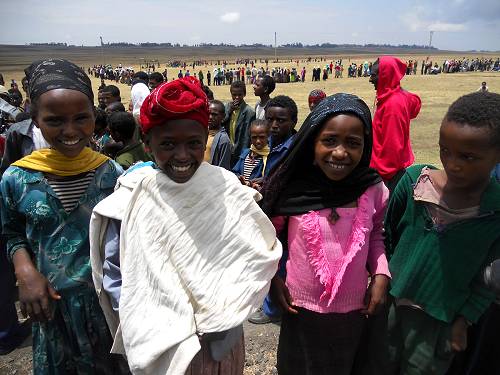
(195, 258)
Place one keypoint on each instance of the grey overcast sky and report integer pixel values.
(458, 24)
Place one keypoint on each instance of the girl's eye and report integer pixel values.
(468, 157)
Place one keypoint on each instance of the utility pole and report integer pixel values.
(431, 33)
(275, 46)
(102, 50)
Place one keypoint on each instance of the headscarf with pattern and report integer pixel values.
(51, 74)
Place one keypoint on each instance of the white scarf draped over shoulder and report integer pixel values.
(195, 258)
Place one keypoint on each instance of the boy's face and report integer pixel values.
(109, 98)
(100, 99)
(258, 87)
(238, 94)
(374, 74)
(216, 115)
(153, 83)
(258, 136)
(467, 154)
(178, 148)
(281, 123)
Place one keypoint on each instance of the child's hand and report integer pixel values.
(280, 294)
(35, 294)
(459, 334)
(376, 294)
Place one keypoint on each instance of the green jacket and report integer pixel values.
(132, 154)
(441, 269)
(242, 133)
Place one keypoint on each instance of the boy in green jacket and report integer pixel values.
(442, 229)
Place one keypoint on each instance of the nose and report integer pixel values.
(181, 153)
(339, 152)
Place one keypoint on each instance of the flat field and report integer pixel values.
(437, 92)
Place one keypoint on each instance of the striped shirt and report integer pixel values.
(69, 192)
(249, 165)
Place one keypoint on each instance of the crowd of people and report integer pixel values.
(142, 238)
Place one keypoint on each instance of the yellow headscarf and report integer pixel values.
(52, 161)
(264, 153)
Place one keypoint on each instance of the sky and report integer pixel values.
(457, 24)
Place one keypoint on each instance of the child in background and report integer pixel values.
(219, 147)
(263, 87)
(122, 127)
(329, 206)
(47, 198)
(281, 114)
(442, 231)
(101, 132)
(315, 96)
(239, 115)
(252, 163)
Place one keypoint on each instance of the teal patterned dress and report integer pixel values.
(77, 339)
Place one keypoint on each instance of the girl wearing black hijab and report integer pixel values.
(329, 207)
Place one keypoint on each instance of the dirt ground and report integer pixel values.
(260, 345)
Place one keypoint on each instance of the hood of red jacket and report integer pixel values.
(390, 72)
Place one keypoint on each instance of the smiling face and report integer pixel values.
(281, 123)
(467, 154)
(66, 119)
(178, 148)
(338, 147)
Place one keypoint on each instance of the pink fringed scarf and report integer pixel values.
(329, 273)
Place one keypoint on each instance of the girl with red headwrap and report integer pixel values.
(181, 252)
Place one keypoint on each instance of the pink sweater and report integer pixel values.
(327, 263)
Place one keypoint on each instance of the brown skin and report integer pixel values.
(260, 91)
(468, 157)
(66, 115)
(340, 141)
(238, 95)
(281, 123)
(100, 100)
(108, 98)
(216, 116)
(338, 148)
(374, 74)
(258, 136)
(62, 115)
(178, 144)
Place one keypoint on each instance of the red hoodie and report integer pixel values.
(391, 123)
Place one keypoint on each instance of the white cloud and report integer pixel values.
(440, 26)
(230, 17)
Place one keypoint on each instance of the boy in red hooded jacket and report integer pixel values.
(392, 151)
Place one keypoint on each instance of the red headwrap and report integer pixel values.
(316, 96)
(179, 99)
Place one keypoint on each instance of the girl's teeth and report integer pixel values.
(180, 169)
(70, 143)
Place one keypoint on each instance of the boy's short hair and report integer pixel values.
(157, 76)
(479, 110)
(269, 83)
(218, 103)
(283, 101)
(111, 89)
(142, 76)
(260, 123)
(239, 85)
(123, 123)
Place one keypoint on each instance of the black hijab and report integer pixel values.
(51, 74)
(296, 186)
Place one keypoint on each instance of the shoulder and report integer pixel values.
(17, 175)
(107, 174)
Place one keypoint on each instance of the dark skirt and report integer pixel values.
(311, 343)
(203, 364)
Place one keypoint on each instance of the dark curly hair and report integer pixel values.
(479, 110)
(283, 101)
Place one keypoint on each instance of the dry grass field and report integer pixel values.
(437, 92)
